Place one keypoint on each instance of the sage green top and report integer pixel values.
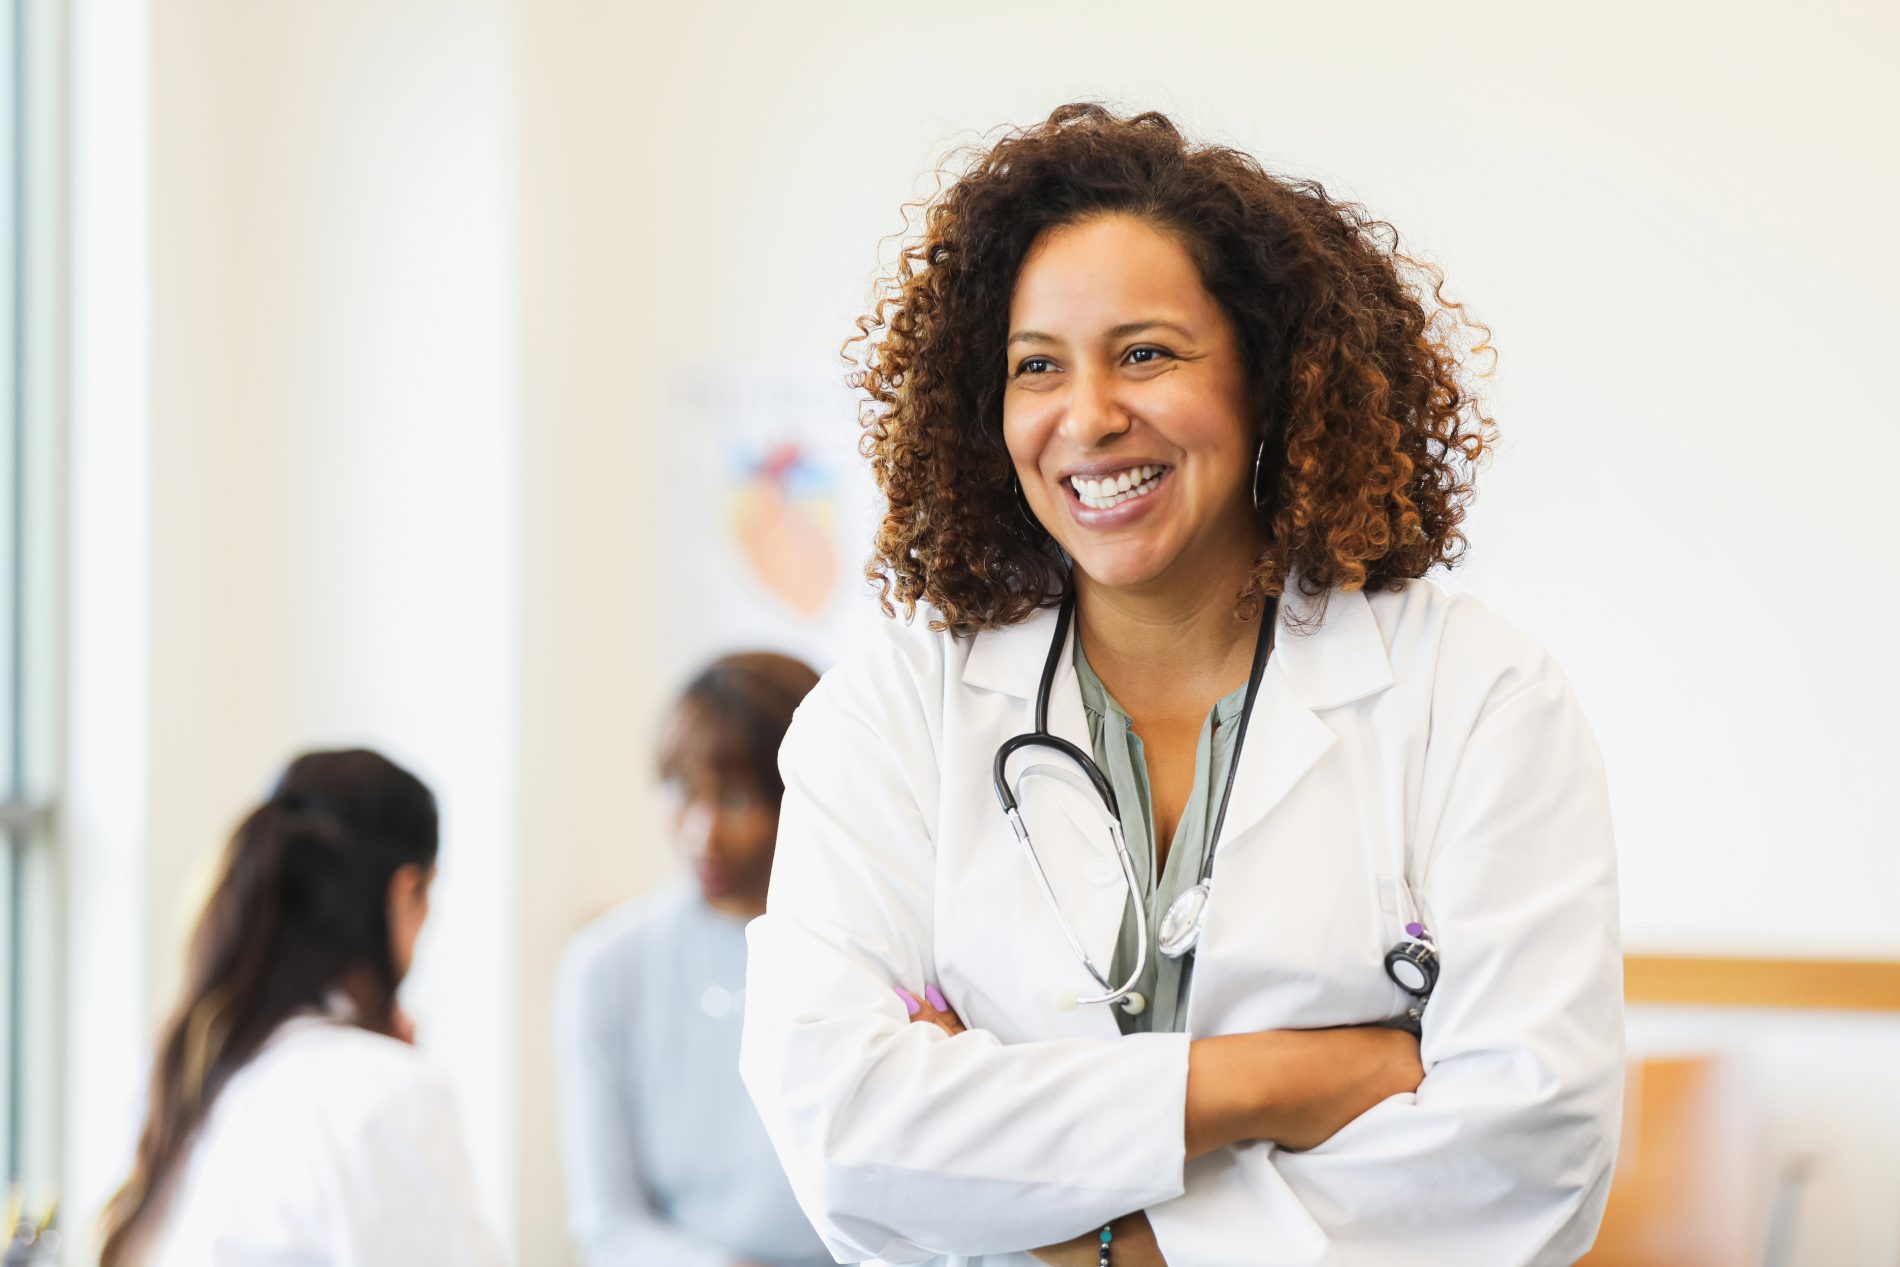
(1118, 751)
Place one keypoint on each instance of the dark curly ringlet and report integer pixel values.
(1352, 351)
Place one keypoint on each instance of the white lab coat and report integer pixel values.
(332, 1146)
(1410, 743)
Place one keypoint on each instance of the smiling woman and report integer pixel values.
(1339, 360)
(1131, 439)
(1295, 938)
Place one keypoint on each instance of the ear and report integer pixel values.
(409, 885)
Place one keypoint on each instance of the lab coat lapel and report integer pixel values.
(1284, 740)
(1313, 668)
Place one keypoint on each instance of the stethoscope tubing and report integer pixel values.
(1113, 993)
(999, 781)
(1416, 969)
(1262, 651)
(1041, 737)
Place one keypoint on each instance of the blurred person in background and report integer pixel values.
(666, 1159)
(291, 1118)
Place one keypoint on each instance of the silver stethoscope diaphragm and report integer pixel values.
(1180, 930)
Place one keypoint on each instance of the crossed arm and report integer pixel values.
(1295, 1088)
(905, 1146)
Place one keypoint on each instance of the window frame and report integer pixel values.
(32, 371)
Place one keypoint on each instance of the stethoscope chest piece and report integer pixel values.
(1180, 930)
(1413, 963)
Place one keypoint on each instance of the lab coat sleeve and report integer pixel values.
(903, 1143)
(406, 1195)
(611, 1216)
(1502, 1158)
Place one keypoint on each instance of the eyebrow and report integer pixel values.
(1121, 331)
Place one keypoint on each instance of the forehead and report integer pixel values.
(709, 748)
(1082, 278)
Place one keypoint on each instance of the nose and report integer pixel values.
(696, 823)
(1094, 414)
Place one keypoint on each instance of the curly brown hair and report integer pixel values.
(1371, 435)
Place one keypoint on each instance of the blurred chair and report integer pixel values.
(1695, 1185)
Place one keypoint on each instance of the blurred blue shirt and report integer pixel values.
(666, 1159)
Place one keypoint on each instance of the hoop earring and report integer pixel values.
(1259, 458)
(1022, 505)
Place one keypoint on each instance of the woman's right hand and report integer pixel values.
(930, 1008)
(1296, 1088)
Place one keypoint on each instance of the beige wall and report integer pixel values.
(1663, 212)
(587, 618)
(397, 301)
(421, 274)
(334, 525)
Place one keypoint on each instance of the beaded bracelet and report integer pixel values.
(1108, 1235)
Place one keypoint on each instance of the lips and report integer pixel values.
(1099, 503)
(713, 879)
(1109, 489)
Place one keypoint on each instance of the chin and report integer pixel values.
(1126, 568)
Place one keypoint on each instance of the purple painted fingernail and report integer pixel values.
(1415, 930)
(935, 996)
(911, 1004)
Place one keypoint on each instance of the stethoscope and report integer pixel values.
(1412, 964)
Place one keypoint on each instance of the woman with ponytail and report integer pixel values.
(290, 1119)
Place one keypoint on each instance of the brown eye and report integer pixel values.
(1035, 365)
(738, 800)
(1147, 355)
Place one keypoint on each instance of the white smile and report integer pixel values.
(1113, 490)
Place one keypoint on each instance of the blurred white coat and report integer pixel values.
(1411, 739)
(334, 1146)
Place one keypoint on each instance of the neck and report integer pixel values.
(739, 905)
(358, 987)
(1174, 646)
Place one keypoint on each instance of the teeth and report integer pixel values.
(1104, 494)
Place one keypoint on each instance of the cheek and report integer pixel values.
(1026, 428)
(1214, 428)
(409, 923)
(761, 835)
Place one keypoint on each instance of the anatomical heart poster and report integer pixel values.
(762, 517)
